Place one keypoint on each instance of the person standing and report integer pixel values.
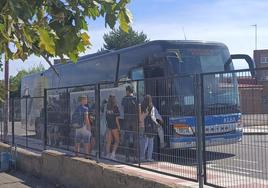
(81, 123)
(113, 126)
(152, 120)
(129, 104)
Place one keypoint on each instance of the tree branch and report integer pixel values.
(47, 60)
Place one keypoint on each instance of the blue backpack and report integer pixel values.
(77, 119)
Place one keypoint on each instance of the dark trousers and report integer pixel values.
(130, 140)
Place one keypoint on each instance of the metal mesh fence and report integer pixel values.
(119, 136)
(235, 103)
(61, 104)
(163, 148)
(226, 111)
(175, 153)
(28, 122)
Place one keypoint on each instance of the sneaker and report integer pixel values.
(112, 156)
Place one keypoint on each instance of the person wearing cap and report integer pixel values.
(83, 134)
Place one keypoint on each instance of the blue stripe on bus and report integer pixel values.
(209, 120)
(236, 134)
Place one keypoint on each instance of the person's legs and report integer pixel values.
(126, 143)
(92, 143)
(133, 137)
(142, 146)
(86, 147)
(150, 148)
(115, 134)
(77, 148)
(145, 146)
(161, 136)
(78, 140)
(86, 141)
(108, 143)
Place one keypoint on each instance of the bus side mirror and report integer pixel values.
(249, 61)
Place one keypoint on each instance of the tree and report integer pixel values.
(15, 81)
(52, 28)
(118, 39)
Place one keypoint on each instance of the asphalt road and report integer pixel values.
(247, 158)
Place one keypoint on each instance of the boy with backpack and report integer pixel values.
(81, 123)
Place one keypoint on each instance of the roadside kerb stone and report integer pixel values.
(29, 162)
(61, 169)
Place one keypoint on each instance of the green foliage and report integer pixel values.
(118, 39)
(54, 28)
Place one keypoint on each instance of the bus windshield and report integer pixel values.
(198, 60)
(220, 90)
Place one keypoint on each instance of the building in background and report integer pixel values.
(261, 61)
(254, 91)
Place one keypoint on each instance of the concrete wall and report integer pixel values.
(77, 172)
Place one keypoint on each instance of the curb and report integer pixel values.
(255, 133)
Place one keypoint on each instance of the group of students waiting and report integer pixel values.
(141, 118)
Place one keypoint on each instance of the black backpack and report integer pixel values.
(77, 119)
(150, 126)
(130, 106)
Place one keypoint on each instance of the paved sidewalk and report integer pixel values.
(18, 179)
(255, 129)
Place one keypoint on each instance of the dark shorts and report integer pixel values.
(130, 124)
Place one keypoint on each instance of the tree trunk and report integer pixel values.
(6, 107)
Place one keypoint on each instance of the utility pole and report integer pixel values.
(184, 33)
(256, 33)
(6, 106)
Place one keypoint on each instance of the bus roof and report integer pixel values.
(150, 43)
(135, 47)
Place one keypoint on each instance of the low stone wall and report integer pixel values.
(77, 172)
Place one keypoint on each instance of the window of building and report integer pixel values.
(264, 59)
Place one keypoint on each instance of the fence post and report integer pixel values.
(199, 127)
(69, 116)
(138, 123)
(45, 119)
(97, 101)
(26, 121)
(12, 121)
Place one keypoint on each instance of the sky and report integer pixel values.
(226, 21)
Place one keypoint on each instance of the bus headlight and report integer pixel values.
(183, 129)
(239, 125)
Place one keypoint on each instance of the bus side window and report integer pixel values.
(138, 74)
